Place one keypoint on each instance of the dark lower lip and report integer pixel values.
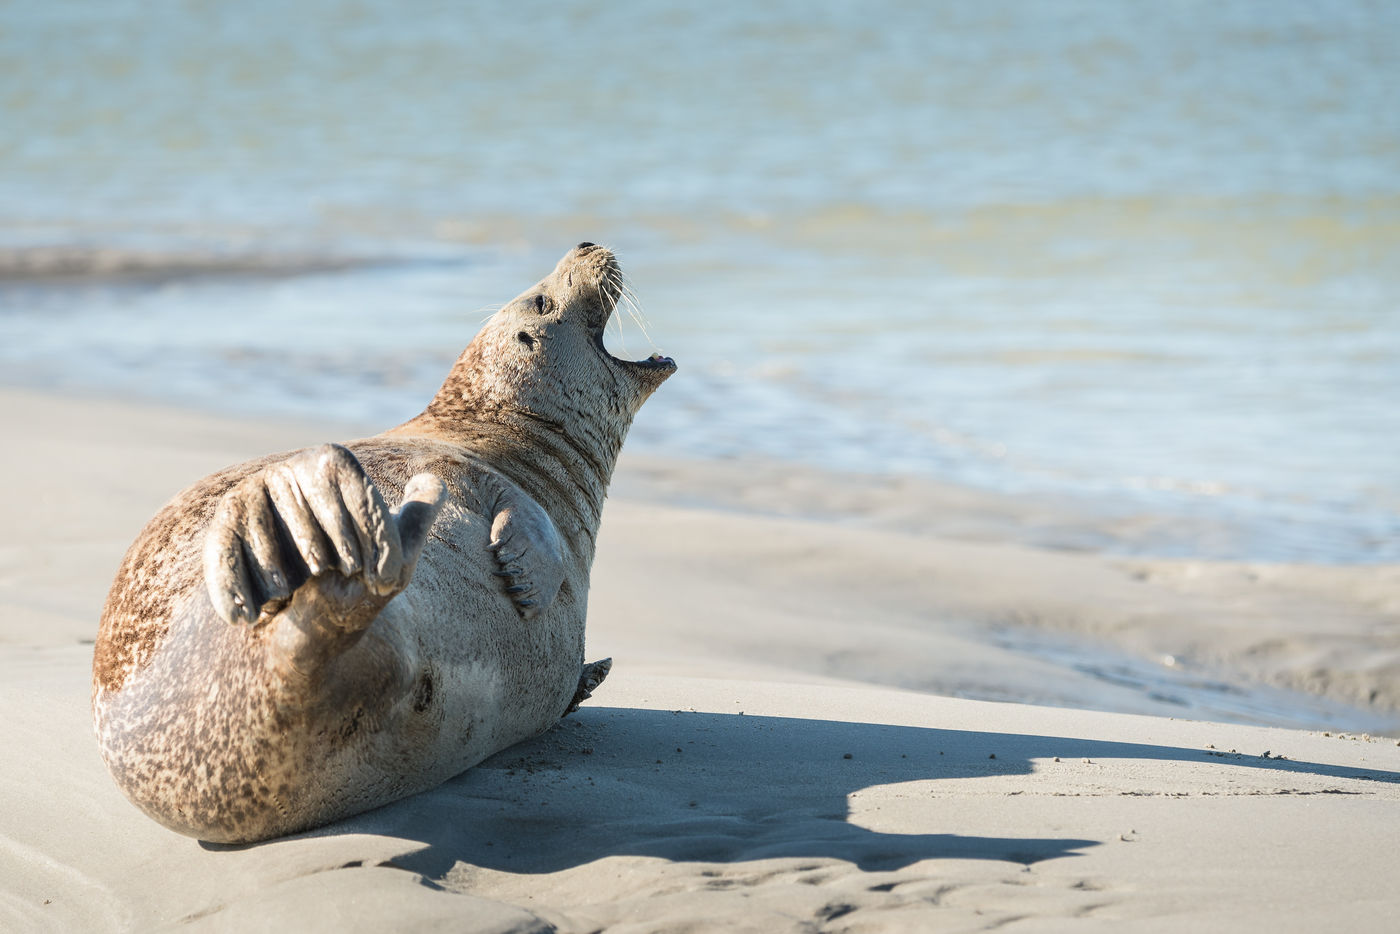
(656, 362)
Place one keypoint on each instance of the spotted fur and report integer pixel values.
(242, 732)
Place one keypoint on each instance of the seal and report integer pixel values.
(281, 649)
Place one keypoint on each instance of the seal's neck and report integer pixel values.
(559, 443)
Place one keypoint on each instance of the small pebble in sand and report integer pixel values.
(1057, 758)
(1086, 761)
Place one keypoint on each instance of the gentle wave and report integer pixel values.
(96, 263)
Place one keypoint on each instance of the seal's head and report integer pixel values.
(539, 364)
(556, 333)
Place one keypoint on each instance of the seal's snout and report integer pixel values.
(590, 259)
(589, 253)
(591, 273)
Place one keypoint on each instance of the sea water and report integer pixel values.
(1145, 255)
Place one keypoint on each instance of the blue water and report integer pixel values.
(1147, 256)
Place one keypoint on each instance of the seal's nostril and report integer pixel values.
(585, 245)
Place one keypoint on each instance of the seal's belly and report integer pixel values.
(482, 678)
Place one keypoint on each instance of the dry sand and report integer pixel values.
(752, 763)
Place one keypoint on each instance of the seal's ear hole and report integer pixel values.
(541, 304)
(526, 339)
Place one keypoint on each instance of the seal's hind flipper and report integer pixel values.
(592, 676)
(529, 554)
(315, 528)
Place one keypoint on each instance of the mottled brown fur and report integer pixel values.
(160, 565)
(216, 731)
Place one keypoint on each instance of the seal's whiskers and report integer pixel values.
(627, 298)
(613, 281)
(634, 310)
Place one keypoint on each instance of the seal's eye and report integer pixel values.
(540, 303)
(526, 339)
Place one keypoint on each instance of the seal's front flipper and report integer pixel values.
(314, 532)
(592, 676)
(528, 552)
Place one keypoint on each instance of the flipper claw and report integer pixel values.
(592, 675)
(316, 521)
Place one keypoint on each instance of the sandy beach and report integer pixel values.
(757, 761)
(1016, 546)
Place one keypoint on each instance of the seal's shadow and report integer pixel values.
(727, 788)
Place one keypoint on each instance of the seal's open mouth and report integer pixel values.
(655, 362)
(611, 290)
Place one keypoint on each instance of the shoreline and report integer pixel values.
(292, 333)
